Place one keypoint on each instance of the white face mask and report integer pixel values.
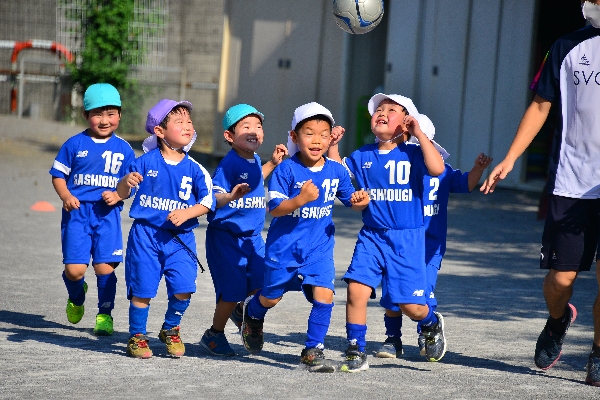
(591, 12)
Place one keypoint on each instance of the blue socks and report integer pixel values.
(255, 309)
(175, 312)
(430, 319)
(357, 334)
(75, 290)
(318, 324)
(107, 289)
(393, 326)
(138, 318)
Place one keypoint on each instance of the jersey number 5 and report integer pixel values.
(184, 194)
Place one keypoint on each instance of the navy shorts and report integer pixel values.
(92, 230)
(152, 253)
(394, 258)
(236, 264)
(570, 234)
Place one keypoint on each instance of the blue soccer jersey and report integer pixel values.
(91, 166)
(309, 229)
(570, 79)
(394, 181)
(245, 216)
(435, 209)
(167, 187)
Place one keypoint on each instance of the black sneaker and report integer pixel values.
(421, 344)
(391, 348)
(314, 360)
(593, 371)
(251, 331)
(356, 360)
(549, 346)
(237, 315)
(435, 341)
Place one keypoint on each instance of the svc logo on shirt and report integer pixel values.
(82, 154)
(152, 173)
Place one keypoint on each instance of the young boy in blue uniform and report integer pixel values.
(391, 244)
(235, 249)
(85, 175)
(435, 208)
(173, 190)
(299, 247)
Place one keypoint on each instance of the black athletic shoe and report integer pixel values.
(549, 346)
(391, 348)
(252, 331)
(237, 316)
(356, 360)
(435, 341)
(593, 371)
(314, 360)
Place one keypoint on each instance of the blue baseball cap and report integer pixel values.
(161, 110)
(239, 111)
(101, 95)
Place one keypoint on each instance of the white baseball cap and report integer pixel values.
(428, 129)
(396, 98)
(303, 112)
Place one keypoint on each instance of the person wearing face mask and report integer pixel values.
(569, 83)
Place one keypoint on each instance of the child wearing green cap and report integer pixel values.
(85, 174)
(235, 248)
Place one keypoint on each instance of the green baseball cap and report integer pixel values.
(101, 95)
(239, 111)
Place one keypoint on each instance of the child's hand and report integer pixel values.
(360, 198)
(110, 197)
(412, 126)
(178, 217)
(133, 179)
(239, 191)
(309, 192)
(337, 133)
(482, 161)
(278, 154)
(71, 203)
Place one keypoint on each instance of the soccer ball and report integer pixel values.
(357, 16)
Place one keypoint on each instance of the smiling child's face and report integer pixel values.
(387, 121)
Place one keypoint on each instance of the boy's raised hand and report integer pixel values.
(239, 191)
(482, 161)
(278, 154)
(309, 192)
(413, 127)
(337, 133)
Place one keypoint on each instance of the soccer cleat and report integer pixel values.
(251, 330)
(314, 360)
(435, 341)
(216, 344)
(549, 346)
(175, 347)
(391, 348)
(593, 371)
(104, 325)
(421, 344)
(356, 360)
(75, 313)
(237, 315)
(137, 346)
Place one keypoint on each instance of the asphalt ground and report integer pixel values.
(489, 291)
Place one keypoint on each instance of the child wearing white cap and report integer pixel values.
(436, 191)
(391, 245)
(235, 249)
(171, 191)
(85, 175)
(299, 247)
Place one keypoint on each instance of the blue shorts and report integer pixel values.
(236, 264)
(92, 230)
(394, 258)
(282, 278)
(152, 253)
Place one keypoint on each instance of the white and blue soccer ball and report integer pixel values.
(357, 16)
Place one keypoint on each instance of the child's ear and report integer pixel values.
(294, 136)
(228, 136)
(86, 115)
(159, 131)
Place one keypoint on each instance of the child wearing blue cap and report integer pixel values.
(235, 249)
(171, 191)
(85, 175)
